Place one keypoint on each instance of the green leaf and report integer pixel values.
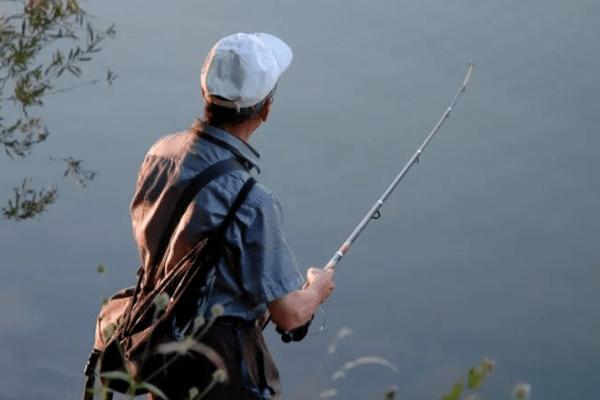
(478, 374)
(475, 378)
(455, 392)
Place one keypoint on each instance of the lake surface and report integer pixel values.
(490, 247)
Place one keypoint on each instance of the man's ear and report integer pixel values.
(264, 113)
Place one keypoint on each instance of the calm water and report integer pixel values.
(489, 248)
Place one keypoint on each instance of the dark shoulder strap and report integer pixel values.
(235, 206)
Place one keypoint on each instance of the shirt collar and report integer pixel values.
(237, 145)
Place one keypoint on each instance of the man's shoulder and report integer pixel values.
(171, 145)
(263, 196)
(182, 152)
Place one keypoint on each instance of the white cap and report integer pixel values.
(243, 68)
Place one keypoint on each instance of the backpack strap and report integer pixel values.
(235, 206)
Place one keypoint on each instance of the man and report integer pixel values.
(258, 273)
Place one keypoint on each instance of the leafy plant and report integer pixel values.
(40, 42)
(463, 389)
(341, 372)
(476, 376)
(28, 202)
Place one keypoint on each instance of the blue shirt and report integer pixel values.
(258, 266)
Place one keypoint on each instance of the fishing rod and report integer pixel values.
(299, 333)
(375, 211)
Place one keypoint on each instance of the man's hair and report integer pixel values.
(218, 115)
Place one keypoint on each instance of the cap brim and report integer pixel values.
(282, 52)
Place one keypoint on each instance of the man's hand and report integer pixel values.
(297, 307)
(320, 280)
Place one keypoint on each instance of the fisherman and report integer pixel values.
(258, 274)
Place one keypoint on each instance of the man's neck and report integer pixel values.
(242, 131)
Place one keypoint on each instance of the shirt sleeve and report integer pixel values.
(268, 267)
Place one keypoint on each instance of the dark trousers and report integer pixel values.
(251, 372)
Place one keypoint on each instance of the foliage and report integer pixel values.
(462, 389)
(341, 372)
(27, 202)
(475, 379)
(76, 171)
(40, 42)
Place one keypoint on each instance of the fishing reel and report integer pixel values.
(296, 334)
